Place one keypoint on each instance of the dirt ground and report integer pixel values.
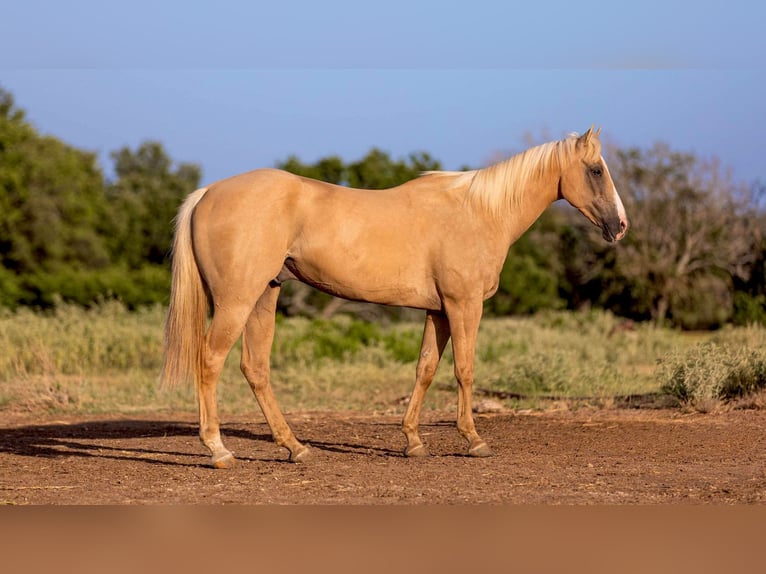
(582, 457)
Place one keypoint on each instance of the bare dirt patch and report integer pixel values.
(614, 456)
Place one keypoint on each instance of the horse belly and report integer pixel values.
(364, 246)
(364, 277)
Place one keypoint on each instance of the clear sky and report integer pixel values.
(235, 85)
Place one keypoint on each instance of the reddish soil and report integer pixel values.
(615, 456)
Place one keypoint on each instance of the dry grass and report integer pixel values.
(107, 360)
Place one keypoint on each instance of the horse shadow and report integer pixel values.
(367, 445)
(110, 439)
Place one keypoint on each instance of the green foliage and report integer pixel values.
(340, 339)
(749, 309)
(144, 199)
(548, 268)
(67, 235)
(10, 288)
(376, 170)
(402, 344)
(146, 285)
(343, 338)
(51, 199)
(749, 300)
(705, 305)
(329, 169)
(731, 365)
(525, 288)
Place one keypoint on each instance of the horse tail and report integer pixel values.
(185, 323)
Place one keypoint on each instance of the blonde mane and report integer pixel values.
(501, 187)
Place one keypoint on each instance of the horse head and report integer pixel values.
(587, 185)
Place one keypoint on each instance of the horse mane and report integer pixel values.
(501, 187)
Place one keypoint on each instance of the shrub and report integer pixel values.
(135, 288)
(749, 309)
(403, 345)
(335, 339)
(525, 287)
(721, 369)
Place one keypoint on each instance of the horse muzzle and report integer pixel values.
(614, 229)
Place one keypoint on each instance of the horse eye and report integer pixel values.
(596, 171)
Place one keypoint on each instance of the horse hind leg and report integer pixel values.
(224, 330)
(256, 349)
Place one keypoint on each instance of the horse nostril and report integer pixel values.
(623, 225)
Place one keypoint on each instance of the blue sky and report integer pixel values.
(239, 85)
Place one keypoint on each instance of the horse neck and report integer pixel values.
(539, 192)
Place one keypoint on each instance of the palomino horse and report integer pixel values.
(436, 243)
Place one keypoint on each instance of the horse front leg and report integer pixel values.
(464, 318)
(435, 337)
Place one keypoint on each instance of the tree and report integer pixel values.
(50, 197)
(691, 232)
(376, 170)
(750, 282)
(51, 206)
(66, 234)
(531, 278)
(329, 169)
(145, 198)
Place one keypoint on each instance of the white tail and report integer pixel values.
(185, 323)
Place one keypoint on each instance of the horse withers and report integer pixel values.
(437, 242)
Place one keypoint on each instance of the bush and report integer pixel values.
(135, 288)
(403, 345)
(749, 309)
(10, 289)
(525, 287)
(336, 339)
(724, 368)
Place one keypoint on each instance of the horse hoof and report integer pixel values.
(300, 455)
(418, 451)
(480, 450)
(225, 461)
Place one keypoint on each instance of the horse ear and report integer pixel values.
(584, 140)
(598, 132)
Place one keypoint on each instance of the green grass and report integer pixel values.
(107, 359)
